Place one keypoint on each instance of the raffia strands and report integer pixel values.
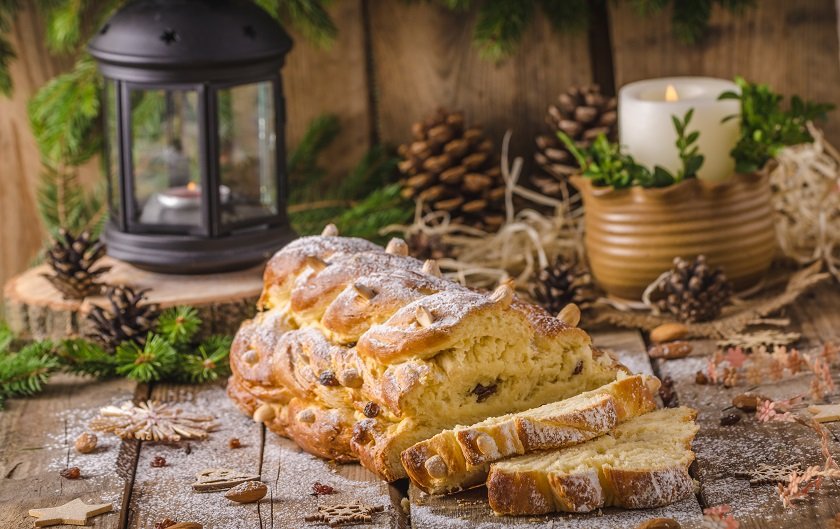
(526, 242)
(806, 191)
(153, 421)
(734, 319)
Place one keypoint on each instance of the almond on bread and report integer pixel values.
(457, 459)
(643, 463)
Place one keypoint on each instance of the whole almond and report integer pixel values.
(570, 315)
(668, 332)
(671, 350)
(659, 523)
(748, 401)
(247, 492)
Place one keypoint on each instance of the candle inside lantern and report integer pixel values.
(646, 128)
(182, 196)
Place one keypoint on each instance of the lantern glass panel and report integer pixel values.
(166, 156)
(112, 134)
(247, 152)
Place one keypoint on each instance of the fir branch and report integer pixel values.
(82, 357)
(64, 115)
(157, 360)
(8, 11)
(304, 174)
(6, 338)
(24, 373)
(310, 17)
(500, 26)
(566, 14)
(381, 208)
(209, 362)
(63, 203)
(178, 324)
(375, 170)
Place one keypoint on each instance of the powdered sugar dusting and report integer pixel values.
(470, 510)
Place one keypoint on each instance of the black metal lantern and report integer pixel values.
(194, 119)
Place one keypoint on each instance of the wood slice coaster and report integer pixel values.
(35, 309)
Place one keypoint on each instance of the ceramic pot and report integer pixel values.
(632, 235)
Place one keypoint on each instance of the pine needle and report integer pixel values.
(500, 26)
(310, 17)
(179, 324)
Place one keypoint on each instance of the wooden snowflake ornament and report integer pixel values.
(74, 512)
(765, 474)
(344, 514)
(153, 421)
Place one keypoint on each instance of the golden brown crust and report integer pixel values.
(466, 451)
(535, 485)
(355, 338)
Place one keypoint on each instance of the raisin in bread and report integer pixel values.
(643, 463)
(361, 351)
(457, 459)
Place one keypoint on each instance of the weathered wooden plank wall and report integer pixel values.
(396, 61)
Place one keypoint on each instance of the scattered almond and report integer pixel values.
(668, 332)
(264, 413)
(659, 523)
(670, 351)
(86, 443)
(247, 492)
(748, 402)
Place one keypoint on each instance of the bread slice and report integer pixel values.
(642, 464)
(457, 459)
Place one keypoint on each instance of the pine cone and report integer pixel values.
(583, 114)
(454, 169)
(129, 319)
(692, 291)
(72, 259)
(423, 246)
(561, 283)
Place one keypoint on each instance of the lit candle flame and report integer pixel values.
(671, 93)
(191, 186)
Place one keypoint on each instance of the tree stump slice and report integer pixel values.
(34, 309)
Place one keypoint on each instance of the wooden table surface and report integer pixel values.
(37, 435)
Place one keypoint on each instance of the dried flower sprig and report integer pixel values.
(800, 485)
(719, 517)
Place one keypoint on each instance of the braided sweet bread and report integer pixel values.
(360, 352)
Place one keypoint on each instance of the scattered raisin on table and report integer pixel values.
(234, 443)
(71, 473)
(319, 489)
(729, 419)
(158, 462)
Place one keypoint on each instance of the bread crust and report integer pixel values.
(550, 427)
(344, 363)
(512, 491)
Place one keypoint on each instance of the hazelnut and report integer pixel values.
(86, 443)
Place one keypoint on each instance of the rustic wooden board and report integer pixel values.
(793, 46)
(319, 81)
(166, 492)
(724, 451)
(292, 473)
(470, 509)
(37, 436)
(423, 58)
(35, 309)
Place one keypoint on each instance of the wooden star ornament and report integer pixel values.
(74, 512)
(825, 412)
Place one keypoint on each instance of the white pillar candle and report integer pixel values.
(647, 133)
